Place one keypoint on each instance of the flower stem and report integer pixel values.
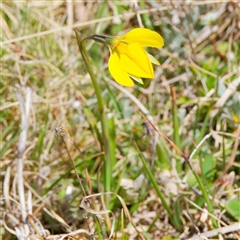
(103, 119)
(90, 71)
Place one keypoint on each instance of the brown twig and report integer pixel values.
(61, 134)
(230, 161)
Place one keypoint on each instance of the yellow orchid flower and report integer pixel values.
(129, 60)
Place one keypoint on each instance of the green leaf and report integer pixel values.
(223, 47)
(208, 166)
(233, 207)
(191, 180)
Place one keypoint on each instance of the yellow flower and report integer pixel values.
(129, 60)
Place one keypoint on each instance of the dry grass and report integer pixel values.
(50, 122)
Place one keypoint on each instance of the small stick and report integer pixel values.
(223, 230)
(61, 134)
(25, 109)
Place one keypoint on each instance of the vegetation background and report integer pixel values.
(169, 166)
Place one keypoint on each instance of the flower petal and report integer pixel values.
(145, 37)
(136, 62)
(117, 72)
(153, 59)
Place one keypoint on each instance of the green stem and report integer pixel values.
(107, 166)
(203, 190)
(159, 192)
(175, 128)
(91, 72)
(205, 195)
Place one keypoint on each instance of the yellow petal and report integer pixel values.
(117, 72)
(136, 62)
(145, 37)
(153, 59)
